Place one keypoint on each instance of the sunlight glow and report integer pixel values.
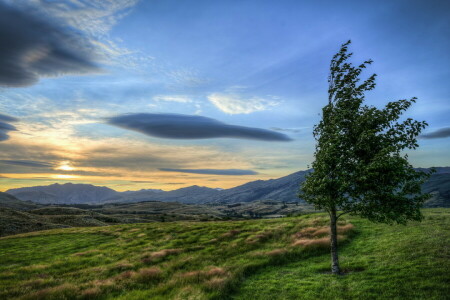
(65, 166)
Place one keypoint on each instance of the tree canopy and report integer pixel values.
(360, 166)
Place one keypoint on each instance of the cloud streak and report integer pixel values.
(37, 48)
(26, 163)
(175, 126)
(234, 104)
(437, 134)
(5, 127)
(232, 172)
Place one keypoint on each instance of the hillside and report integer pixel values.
(11, 202)
(13, 221)
(255, 259)
(284, 189)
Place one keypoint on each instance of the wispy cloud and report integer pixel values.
(27, 163)
(437, 134)
(174, 126)
(233, 172)
(235, 104)
(173, 98)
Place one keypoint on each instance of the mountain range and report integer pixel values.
(284, 189)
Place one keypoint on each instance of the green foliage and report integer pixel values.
(359, 167)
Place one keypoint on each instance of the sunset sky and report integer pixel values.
(166, 94)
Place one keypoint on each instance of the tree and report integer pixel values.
(359, 167)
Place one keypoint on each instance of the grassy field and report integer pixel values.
(256, 259)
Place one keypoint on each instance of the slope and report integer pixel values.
(211, 260)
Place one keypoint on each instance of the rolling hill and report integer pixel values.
(284, 258)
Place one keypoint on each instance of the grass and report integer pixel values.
(381, 262)
(255, 259)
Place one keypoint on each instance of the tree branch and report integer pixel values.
(343, 213)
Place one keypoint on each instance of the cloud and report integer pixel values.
(95, 19)
(3, 136)
(5, 127)
(293, 130)
(172, 98)
(437, 134)
(6, 118)
(234, 104)
(27, 163)
(235, 172)
(175, 126)
(38, 48)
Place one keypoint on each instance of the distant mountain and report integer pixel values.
(67, 193)
(284, 189)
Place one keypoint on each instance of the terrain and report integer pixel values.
(79, 205)
(284, 189)
(286, 258)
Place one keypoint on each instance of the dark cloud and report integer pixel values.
(31, 47)
(3, 136)
(437, 134)
(174, 126)
(6, 118)
(4, 126)
(26, 163)
(235, 172)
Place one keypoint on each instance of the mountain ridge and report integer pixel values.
(283, 189)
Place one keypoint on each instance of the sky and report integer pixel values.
(147, 94)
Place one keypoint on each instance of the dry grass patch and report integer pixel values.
(103, 282)
(141, 235)
(125, 275)
(153, 256)
(121, 266)
(91, 293)
(276, 252)
(216, 283)
(260, 237)
(192, 276)
(149, 274)
(319, 232)
(216, 271)
(35, 267)
(230, 233)
(312, 243)
(345, 228)
(64, 291)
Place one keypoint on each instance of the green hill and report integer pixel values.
(253, 259)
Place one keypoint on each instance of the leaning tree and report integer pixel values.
(359, 165)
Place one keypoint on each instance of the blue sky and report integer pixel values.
(257, 64)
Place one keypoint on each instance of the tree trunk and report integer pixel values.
(335, 269)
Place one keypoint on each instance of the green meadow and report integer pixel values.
(285, 258)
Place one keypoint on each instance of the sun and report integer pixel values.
(65, 166)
